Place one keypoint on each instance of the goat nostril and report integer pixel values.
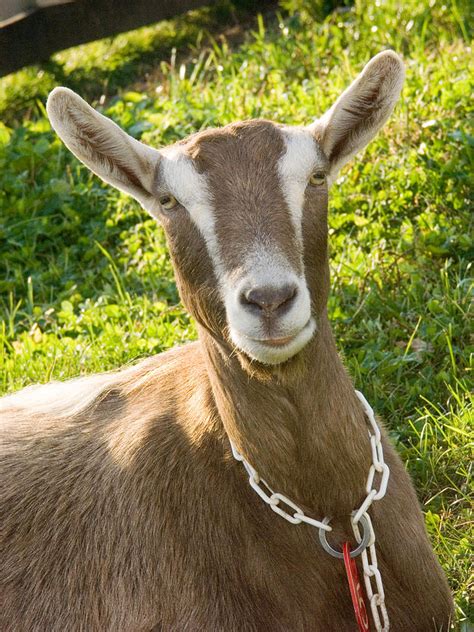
(269, 299)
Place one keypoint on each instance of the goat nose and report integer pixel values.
(270, 299)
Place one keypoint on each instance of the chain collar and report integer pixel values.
(359, 517)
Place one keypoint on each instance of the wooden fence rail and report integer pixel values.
(47, 26)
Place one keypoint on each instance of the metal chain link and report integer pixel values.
(369, 561)
(371, 572)
(273, 499)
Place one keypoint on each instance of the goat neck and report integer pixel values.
(300, 425)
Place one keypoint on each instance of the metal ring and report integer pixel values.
(357, 551)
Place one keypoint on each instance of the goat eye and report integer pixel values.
(317, 178)
(167, 201)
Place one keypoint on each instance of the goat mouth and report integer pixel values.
(282, 341)
(275, 342)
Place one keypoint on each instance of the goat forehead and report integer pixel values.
(246, 139)
(244, 188)
(239, 160)
(240, 164)
(242, 167)
(246, 158)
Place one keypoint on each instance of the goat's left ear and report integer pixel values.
(361, 110)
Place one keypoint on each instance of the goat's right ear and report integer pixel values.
(99, 143)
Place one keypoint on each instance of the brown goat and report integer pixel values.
(123, 508)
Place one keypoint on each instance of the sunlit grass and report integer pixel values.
(85, 279)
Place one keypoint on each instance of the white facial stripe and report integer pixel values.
(295, 167)
(191, 189)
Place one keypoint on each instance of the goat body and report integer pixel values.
(131, 514)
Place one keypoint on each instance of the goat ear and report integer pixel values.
(99, 143)
(361, 110)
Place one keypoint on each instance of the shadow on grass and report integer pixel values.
(105, 66)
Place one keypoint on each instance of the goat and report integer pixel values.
(124, 509)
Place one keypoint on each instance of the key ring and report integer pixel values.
(357, 551)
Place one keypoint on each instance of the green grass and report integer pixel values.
(85, 279)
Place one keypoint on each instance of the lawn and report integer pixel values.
(85, 280)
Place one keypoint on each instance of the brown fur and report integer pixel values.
(130, 513)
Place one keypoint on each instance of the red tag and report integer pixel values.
(356, 590)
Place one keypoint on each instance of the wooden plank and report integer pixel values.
(44, 31)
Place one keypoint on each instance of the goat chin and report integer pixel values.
(268, 352)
